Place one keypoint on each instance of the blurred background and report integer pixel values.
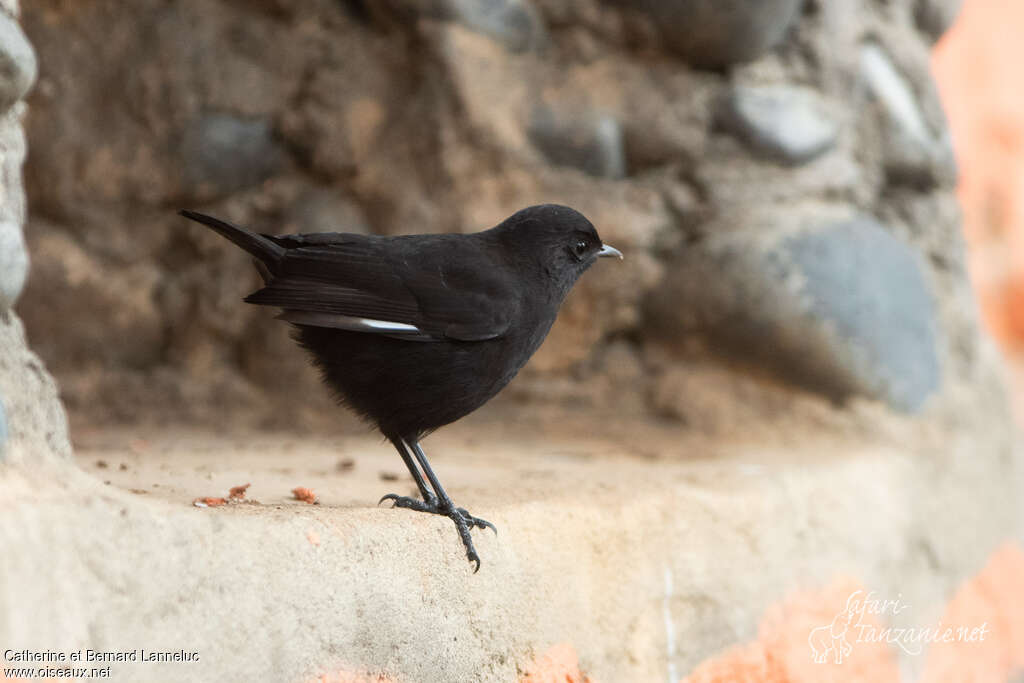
(985, 110)
(780, 175)
(799, 383)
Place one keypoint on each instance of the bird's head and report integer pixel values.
(559, 240)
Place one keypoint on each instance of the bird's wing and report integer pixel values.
(425, 290)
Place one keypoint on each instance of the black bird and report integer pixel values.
(413, 332)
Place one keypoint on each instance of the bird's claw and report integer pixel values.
(463, 520)
(476, 521)
(473, 557)
(428, 505)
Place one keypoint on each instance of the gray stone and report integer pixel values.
(12, 157)
(13, 263)
(591, 142)
(788, 123)
(869, 288)
(934, 17)
(3, 431)
(513, 23)
(912, 154)
(843, 309)
(17, 63)
(12, 152)
(36, 425)
(890, 88)
(716, 33)
(223, 153)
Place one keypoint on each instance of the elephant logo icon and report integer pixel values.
(832, 638)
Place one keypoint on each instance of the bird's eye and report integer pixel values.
(581, 246)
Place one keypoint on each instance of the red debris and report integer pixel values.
(304, 494)
(235, 495)
(238, 492)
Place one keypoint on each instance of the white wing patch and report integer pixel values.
(348, 322)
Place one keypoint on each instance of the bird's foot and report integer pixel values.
(463, 520)
(433, 506)
(429, 505)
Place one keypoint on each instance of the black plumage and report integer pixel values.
(413, 332)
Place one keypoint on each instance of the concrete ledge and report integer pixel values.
(645, 567)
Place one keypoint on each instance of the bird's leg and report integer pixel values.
(463, 520)
(429, 499)
(441, 504)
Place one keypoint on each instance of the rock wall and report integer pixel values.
(32, 421)
(779, 175)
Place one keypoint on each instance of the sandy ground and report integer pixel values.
(616, 538)
(490, 459)
(355, 470)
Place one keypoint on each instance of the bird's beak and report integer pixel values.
(608, 250)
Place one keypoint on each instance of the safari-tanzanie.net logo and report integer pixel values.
(861, 621)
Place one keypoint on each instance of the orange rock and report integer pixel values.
(810, 625)
(349, 677)
(976, 66)
(559, 664)
(995, 597)
(986, 642)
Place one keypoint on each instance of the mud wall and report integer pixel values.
(779, 175)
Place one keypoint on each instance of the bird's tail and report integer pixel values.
(264, 249)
